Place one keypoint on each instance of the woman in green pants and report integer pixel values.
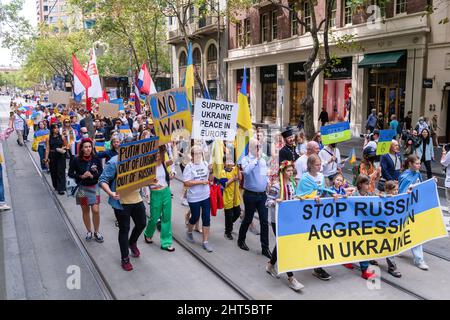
(161, 204)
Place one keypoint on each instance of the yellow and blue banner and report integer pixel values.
(384, 141)
(41, 135)
(337, 132)
(99, 146)
(312, 235)
(189, 77)
(244, 121)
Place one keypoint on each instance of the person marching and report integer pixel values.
(196, 177)
(161, 204)
(55, 153)
(42, 135)
(231, 196)
(86, 168)
(284, 189)
(288, 152)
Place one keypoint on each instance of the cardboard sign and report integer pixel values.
(137, 164)
(335, 133)
(356, 229)
(59, 97)
(108, 110)
(214, 120)
(170, 112)
(384, 141)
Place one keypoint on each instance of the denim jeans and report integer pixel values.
(2, 189)
(41, 151)
(252, 203)
(418, 254)
(205, 207)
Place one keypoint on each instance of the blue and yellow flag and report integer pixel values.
(352, 157)
(244, 121)
(189, 77)
(41, 135)
(99, 146)
(337, 132)
(125, 129)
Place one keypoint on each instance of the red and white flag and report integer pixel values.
(145, 82)
(81, 80)
(95, 90)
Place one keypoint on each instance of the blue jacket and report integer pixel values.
(388, 171)
(109, 176)
(371, 121)
(429, 152)
(107, 154)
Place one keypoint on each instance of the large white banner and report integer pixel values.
(214, 120)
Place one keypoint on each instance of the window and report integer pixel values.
(348, 14)
(294, 22)
(182, 60)
(274, 25)
(212, 53)
(170, 21)
(332, 22)
(196, 56)
(307, 15)
(380, 4)
(400, 6)
(45, 8)
(191, 14)
(240, 36)
(247, 32)
(264, 27)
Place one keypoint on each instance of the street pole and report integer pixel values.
(218, 52)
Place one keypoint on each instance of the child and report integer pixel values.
(391, 188)
(231, 176)
(340, 186)
(281, 190)
(363, 185)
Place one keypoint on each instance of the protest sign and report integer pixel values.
(59, 97)
(337, 132)
(108, 110)
(170, 112)
(214, 120)
(384, 141)
(312, 235)
(137, 164)
(119, 102)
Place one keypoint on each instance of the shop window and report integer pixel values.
(264, 27)
(269, 93)
(400, 6)
(274, 25)
(294, 22)
(298, 91)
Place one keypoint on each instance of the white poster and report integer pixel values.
(214, 120)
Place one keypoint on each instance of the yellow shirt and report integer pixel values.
(231, 190)
(131, 197)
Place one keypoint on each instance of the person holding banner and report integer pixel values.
(161, 204)
(71, 137)
(231, 197)
(391, 164)
(332, 164)
(282, 190)
(312, 186)
(113, 151)
(86, 168)
(407, 180)
(196, 177)
(42, 135)
(126, 207)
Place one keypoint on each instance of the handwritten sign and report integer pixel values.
(335, 133)
(137, 164)
(108, 110)
(384, 141)
(170, 112)
(59, 97)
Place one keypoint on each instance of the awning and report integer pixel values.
(381, 60)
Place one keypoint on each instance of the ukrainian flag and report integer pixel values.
(99, 146)
(125, 129)
(244, 121)
(41, 135)
(189, 77)
(335, 133)
(352, 157)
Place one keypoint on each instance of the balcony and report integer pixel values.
(261, 3)
(200, 28)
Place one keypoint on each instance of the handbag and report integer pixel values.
(71, 187)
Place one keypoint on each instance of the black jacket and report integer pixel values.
(287, 153)
(79, 166)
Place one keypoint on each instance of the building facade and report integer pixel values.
(386, 73)
(53, 12)
(209, 47)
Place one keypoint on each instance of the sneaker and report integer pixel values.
(134, 251)
(228, 236)
(270, 269)
(190, 237)
(394, 273)
(374, 262)
(422, 266)
(368, 275)
(295, 285)
(126, 264)
(88, 236)
(321, 274)
(4, 207)
(98, 237)
(207, 247)
(184, 202)
(349, 265)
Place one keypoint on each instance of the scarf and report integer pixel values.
(308, 188)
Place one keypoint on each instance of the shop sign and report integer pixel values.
(427, 83)
(296, 72)
(341, 71)
(269, 74)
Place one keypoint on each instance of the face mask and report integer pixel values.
(85, 135)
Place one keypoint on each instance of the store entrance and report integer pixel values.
(387, 103)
